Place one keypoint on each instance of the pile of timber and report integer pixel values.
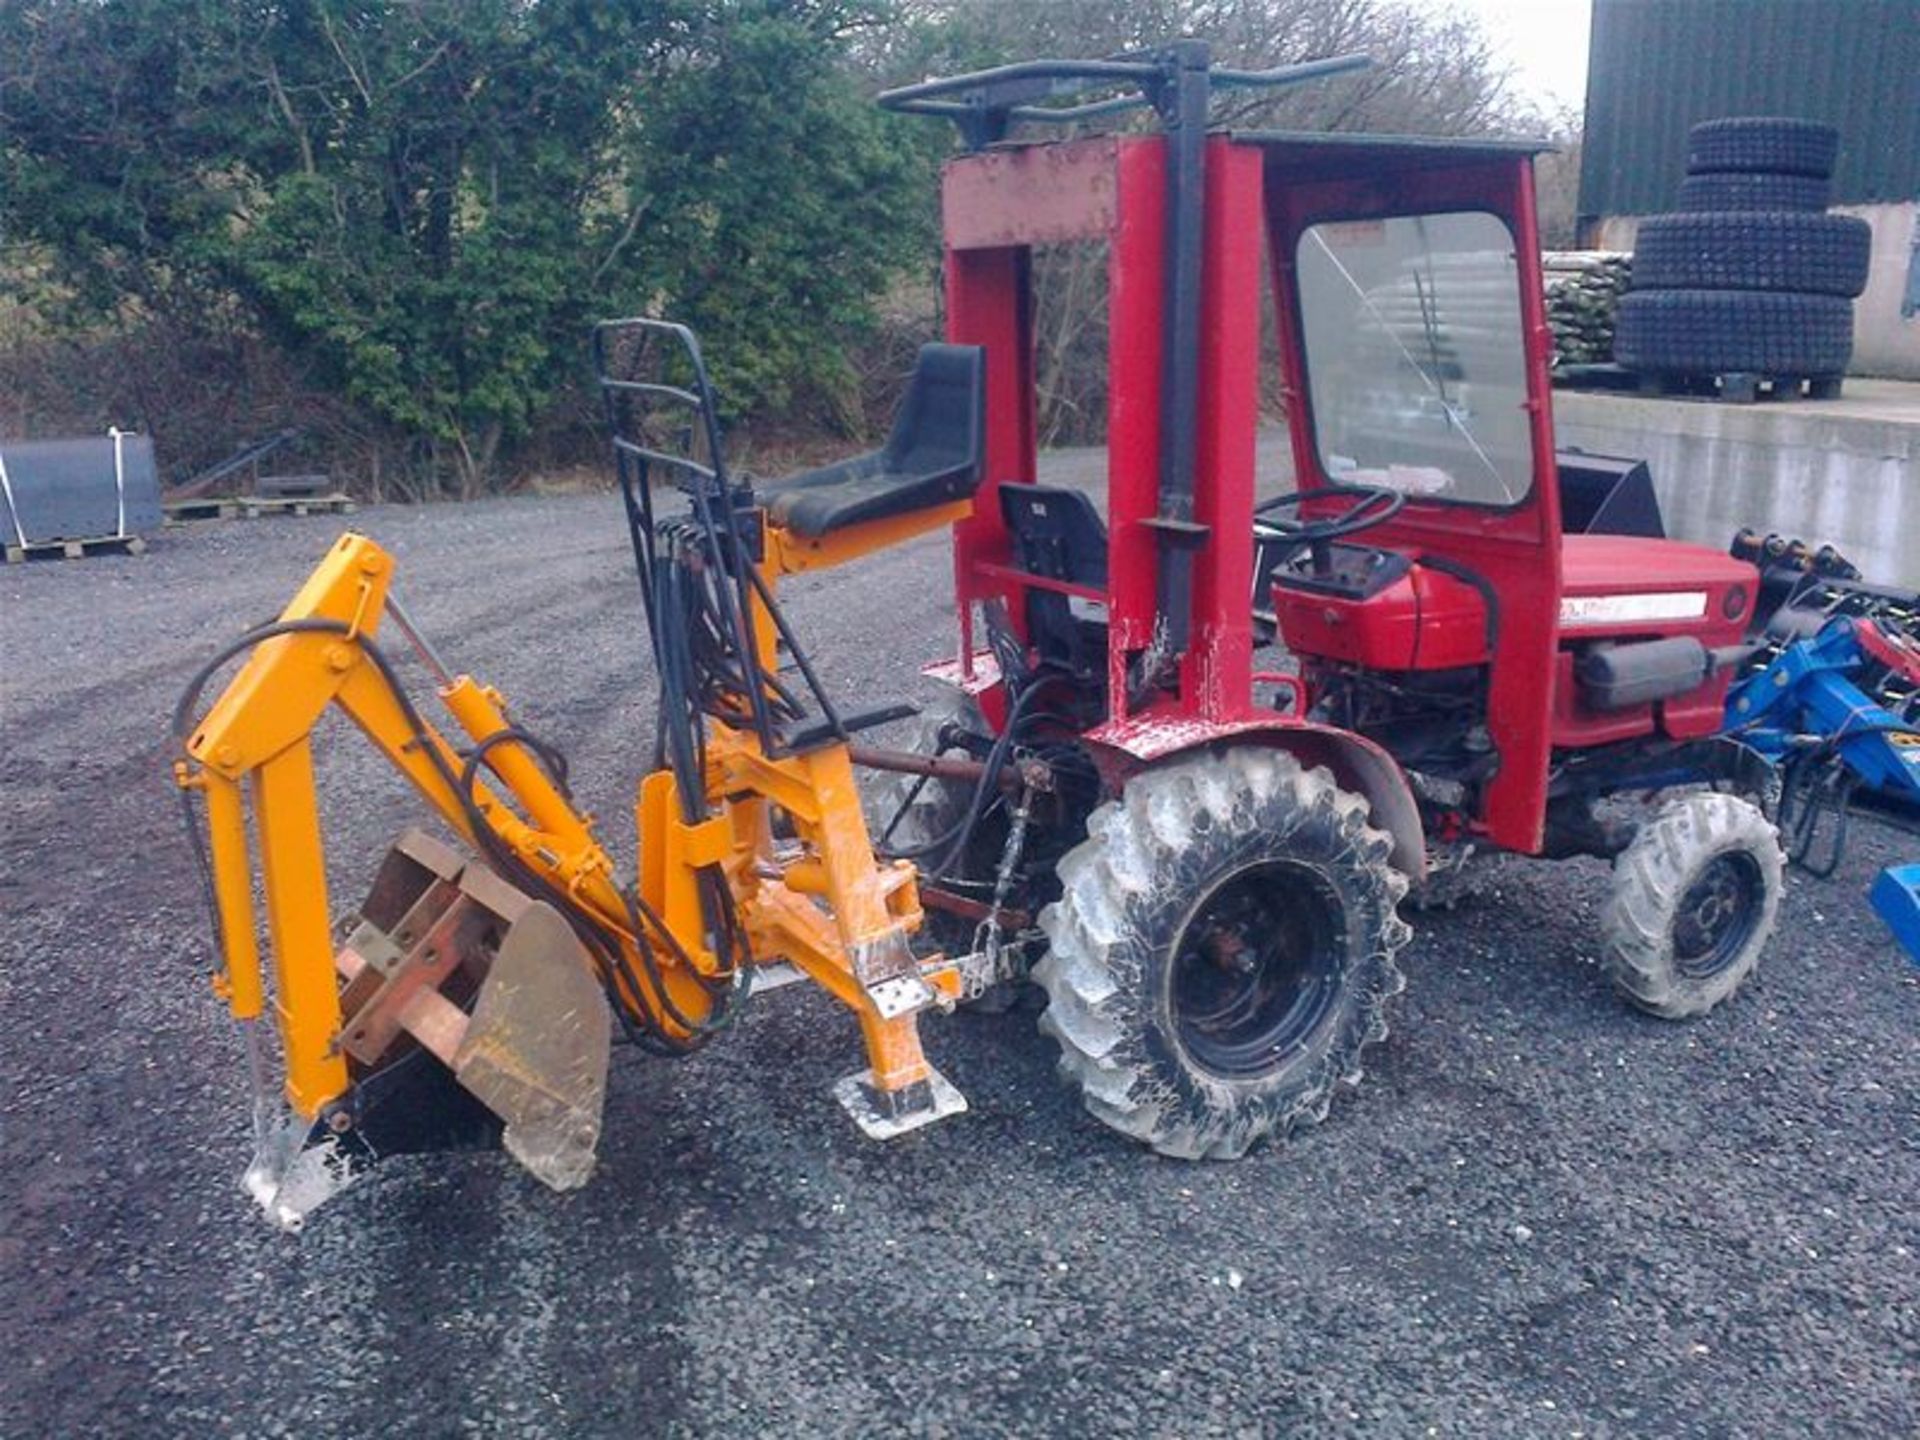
(1583, 292)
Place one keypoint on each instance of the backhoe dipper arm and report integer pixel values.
(258, 736)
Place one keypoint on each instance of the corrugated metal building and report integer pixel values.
(1658, 66)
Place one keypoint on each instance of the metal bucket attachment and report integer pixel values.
(535, 1051)
(471, 1019)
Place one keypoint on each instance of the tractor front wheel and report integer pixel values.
(1222, 952)
(1694, 901)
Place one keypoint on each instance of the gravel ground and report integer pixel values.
(1542, 1214)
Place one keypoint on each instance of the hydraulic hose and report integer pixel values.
(610, 955)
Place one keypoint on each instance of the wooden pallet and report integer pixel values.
(178, 512)
(1740, 388)
(1596, 376)
(255, 506)
(18, 554)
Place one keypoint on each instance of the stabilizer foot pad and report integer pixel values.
(885, 1114)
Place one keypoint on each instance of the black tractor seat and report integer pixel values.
(932, 456)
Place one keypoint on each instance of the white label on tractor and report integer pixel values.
(1619, 609)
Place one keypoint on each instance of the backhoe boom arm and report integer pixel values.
(258, 735)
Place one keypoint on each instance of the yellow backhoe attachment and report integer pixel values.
(472, 1000)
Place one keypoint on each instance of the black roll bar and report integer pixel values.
(988, 103)
(1177, 80)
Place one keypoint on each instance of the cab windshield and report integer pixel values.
(1416, 366)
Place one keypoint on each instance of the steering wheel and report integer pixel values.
(1372, 505)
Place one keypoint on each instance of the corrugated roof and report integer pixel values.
(1658, 66)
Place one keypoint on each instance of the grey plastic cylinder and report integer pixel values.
(92, 488)
(1615, 677)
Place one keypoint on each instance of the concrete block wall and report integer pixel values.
(1837, 472)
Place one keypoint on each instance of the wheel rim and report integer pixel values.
(1717, 916)
(1256, 968)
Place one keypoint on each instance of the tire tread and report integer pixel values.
(1726, 332)
(1780, 250)
(1741, 191)
(1094, 980)
(1763, 144)
(1650, 877)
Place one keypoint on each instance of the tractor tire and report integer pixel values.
(1694, 901)
(1753, 250)
(1728, 332)
(1703, 193)
(925, 812)
(1222, 952)
(1762, 144)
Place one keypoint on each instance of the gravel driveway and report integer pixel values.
(1542, 1215)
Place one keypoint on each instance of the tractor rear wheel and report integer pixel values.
(911, 814)
(1222, 951)
(1694, 901)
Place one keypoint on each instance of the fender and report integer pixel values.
(1124, 746)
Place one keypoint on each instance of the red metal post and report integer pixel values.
(1136, 298)
(988, 304)
(1216, 677)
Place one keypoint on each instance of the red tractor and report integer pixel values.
(1198, 853)
(1203, 850)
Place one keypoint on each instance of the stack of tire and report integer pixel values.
(1751, 277)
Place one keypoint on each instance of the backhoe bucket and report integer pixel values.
(535, 1051)
(471, 1018)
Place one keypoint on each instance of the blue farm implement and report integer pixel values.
(1833, 702)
